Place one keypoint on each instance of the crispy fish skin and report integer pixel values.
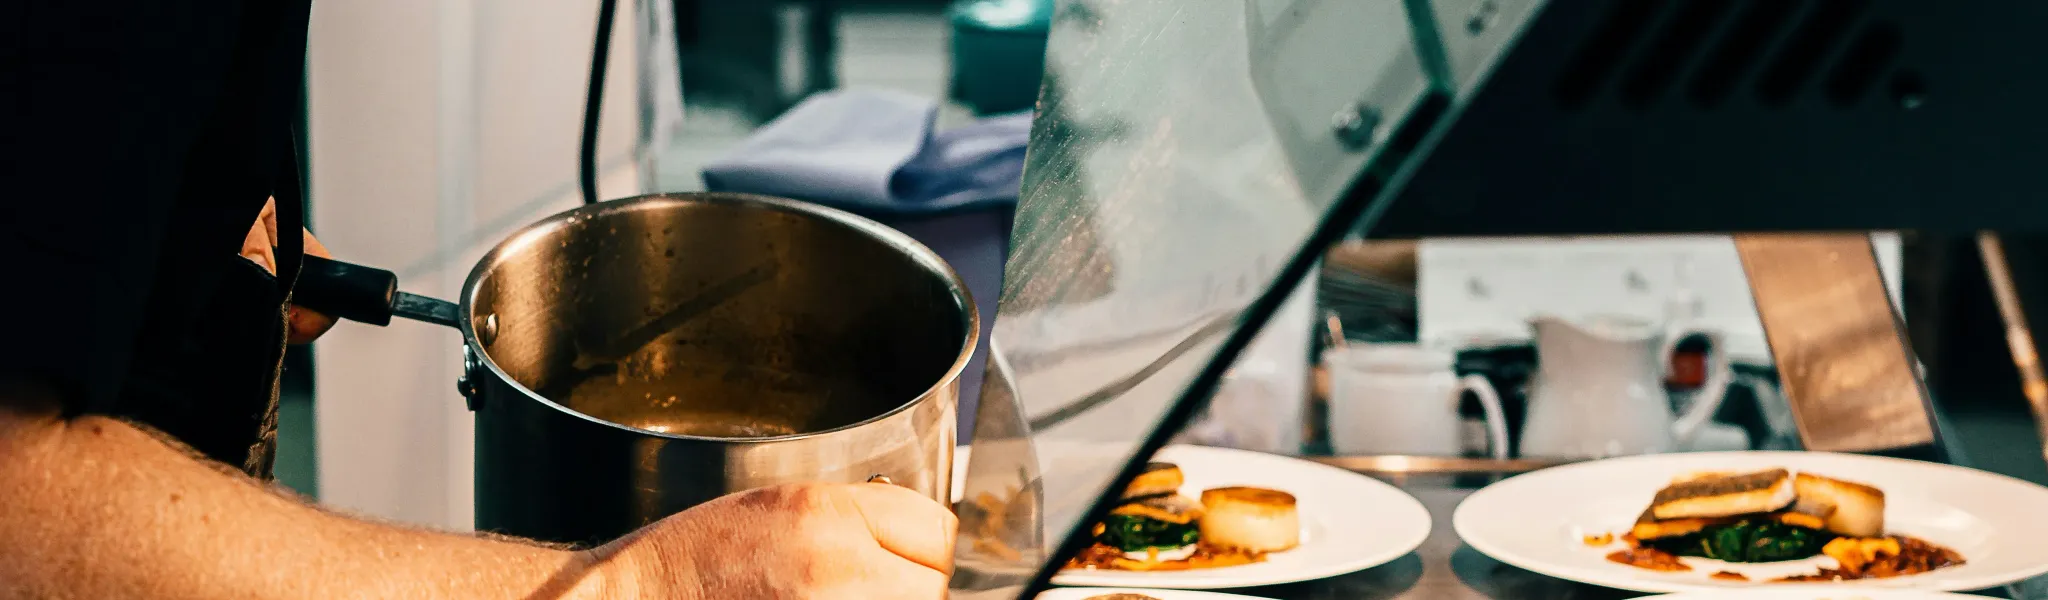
(1813, 506)
(1748, 493)
(1811, 515)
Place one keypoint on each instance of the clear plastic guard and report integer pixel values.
(1183, 153)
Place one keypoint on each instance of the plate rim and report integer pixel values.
(1407, 545)
(1461, 525)
(1190, 594)
(1795, 594)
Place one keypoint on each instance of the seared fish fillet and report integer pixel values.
(1157, 478)
(1811, 515)
(1710, 497)
(1171, 508)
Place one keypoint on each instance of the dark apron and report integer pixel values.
(213, 385)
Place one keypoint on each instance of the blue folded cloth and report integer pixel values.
(874, 152)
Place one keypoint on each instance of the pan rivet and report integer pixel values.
(466, 383)
(1355, 126)
(487, 329)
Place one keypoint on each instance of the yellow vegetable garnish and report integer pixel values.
(1855, 553)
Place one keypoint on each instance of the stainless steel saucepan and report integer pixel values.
(630, 359)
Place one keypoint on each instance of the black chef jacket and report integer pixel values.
(142, 138)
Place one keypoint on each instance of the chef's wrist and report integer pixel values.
(632, 572)
(605, 577)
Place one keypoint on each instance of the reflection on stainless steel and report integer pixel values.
(603, 350)
(1840, 349)
(654, 353)
(1443, 568)
(2018, 337)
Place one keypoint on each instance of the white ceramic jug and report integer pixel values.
(1599, 388)
(1402, 399)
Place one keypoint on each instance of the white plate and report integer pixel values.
(1086, 593)
(1536, 521)
(1754, 594)
(1349, 521)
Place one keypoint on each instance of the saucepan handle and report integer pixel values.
(365, 295)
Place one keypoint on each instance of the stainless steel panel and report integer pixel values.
(1839, 344)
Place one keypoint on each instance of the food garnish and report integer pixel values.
(1157, 478)
(1153, 526)
(1649, 558)
(1158, 529)
(1250, 519)
(1876, 559)
(1746, 541)
(1771, 516)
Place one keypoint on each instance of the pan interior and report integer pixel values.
(719, 319)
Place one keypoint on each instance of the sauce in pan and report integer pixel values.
(717, 402)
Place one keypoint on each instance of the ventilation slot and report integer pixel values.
(1866, 60)
(1803, 53)
(1744, 42)
(1598, 59)
(1673, 48)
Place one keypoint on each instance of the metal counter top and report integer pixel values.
(1443, 568)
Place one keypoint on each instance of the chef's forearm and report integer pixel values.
(95, 508)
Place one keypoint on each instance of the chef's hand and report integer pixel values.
(868, 540)
(260, 247)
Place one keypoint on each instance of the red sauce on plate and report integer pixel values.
(1649, 558)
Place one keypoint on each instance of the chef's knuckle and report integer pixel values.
(806, 499)
(775, 499)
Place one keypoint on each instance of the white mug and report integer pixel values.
(1402, 399)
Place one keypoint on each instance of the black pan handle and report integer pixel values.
(365, 295)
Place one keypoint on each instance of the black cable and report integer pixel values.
(600, 55)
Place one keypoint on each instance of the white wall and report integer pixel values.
(437, 128)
